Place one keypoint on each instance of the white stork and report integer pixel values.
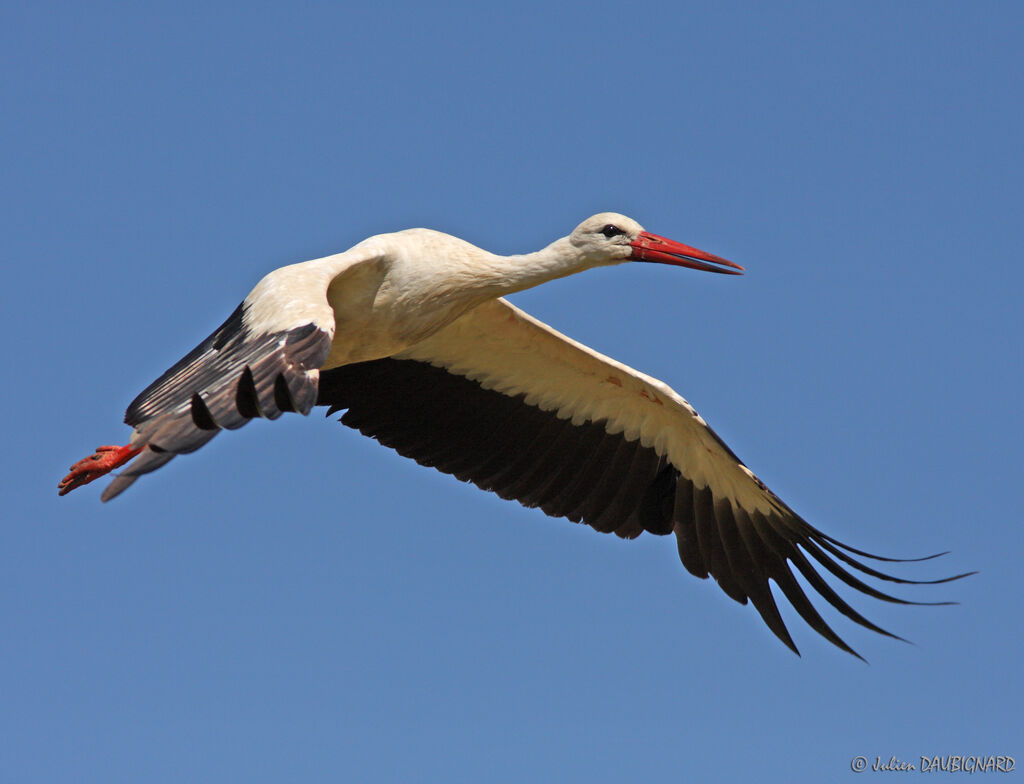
(409, 335)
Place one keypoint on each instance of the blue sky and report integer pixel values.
(295, 602)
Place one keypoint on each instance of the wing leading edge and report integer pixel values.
(584, 437)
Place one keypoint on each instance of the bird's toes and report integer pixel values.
(104, 460)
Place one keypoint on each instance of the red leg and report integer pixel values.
(103, 461)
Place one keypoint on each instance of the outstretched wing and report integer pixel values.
(235, 375)
(263, 361)
(500, 399)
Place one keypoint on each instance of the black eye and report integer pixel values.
(611, 231)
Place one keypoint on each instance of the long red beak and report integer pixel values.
(651, 247)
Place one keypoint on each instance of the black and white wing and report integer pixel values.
(235, 375)
(263, 361)
(499, 399)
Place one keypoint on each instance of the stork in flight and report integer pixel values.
(408, 334)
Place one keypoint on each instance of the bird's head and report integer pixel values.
(610, 238)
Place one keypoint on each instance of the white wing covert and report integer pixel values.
(500, 399)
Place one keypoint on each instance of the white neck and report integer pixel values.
(500, 275)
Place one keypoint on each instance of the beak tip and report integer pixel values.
(651, 247)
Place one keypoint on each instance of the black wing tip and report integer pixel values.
(789, 542)
(844, 647)
(873, 556)
(852, 652)
(789, 643)
(812, 537)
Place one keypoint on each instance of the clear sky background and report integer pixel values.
(297, 603)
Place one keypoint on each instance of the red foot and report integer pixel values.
(103, 461)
